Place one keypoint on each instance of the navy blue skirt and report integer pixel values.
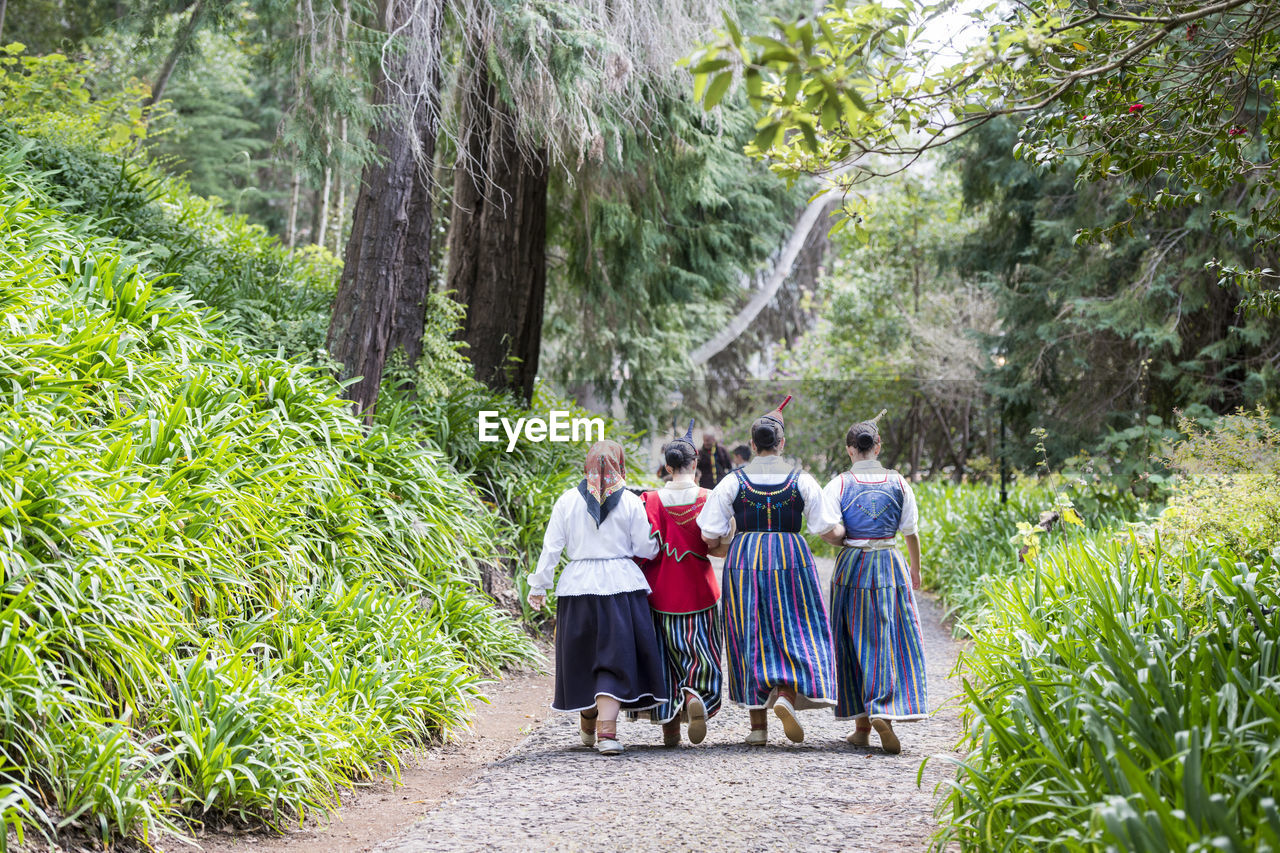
(606, 645)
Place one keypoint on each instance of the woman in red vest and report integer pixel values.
(683, 595)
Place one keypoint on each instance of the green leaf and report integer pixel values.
(709, 65)
(764, 139)
(716, 91)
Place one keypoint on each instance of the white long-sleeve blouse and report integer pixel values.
(820, 515)
(599, 557)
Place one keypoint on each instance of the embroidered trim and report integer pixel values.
(679, 556)
(746, 487)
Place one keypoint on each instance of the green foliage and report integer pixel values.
(271, 296)
(50, 95)
(208, 133)
(49, 26)
(1185, 92)
(1230, 491)
(673, 226)
(1119, 689)
(967, 534)
(219, 593)
(1105, 336)
(1107, 709)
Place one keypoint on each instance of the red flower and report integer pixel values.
(1237, 130)
(1135, 108)
(1191, 31)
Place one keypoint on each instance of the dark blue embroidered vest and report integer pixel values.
(777, 509)
(870, 510)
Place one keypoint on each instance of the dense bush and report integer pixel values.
(1230, 484)
(220, 594)
(83, 153)
(1120, 690)
(1108, 710)
(969, 539)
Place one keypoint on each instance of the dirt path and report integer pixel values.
(382, 810)
(551, 793)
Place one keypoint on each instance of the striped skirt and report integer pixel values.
(879, 647)
(776, 629)
(691, 651)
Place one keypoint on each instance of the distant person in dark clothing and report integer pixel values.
(741, 456)
(713, 461)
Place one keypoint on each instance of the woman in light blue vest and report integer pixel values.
(880, 674)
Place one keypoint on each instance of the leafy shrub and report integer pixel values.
(218, 593)
(51, 96)
(1105, 713)
(1230, 483)
(966, 534)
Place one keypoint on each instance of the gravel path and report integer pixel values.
(551, 793)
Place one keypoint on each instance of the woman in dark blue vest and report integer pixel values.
(777, 637)
(879, 649)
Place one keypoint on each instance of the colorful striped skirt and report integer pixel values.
(776, 629)
(879, 647)
(691, 650)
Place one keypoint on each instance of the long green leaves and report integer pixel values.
(1109, 709)
(219, 594)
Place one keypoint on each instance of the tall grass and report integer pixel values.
(1121, 698)
(966, 534)
(219, 595)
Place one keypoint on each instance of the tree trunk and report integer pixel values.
(179, 46)
(320, 215)
(415, 279)
(370, 292)
(3, 4)
(497, 243)
(291, 224)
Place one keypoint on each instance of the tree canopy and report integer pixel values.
(1175, 97)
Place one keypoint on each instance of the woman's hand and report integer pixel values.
(719, 547)
(537, 599)
(913, 558)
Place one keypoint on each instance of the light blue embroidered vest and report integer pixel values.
(870, 510)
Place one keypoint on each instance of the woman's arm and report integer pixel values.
(820, 512)
(721, 546)
(835, 535)
(553, 544)
(907, 526)
(913, 557)
(644, 538)
(716, 519)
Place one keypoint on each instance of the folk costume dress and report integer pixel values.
(776, 629)
(605, 640)
(683, 595)
(879, 648)
(713, 466)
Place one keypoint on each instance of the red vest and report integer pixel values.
(681, 578)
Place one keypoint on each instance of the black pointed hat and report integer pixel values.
(687, 438)
(776, 414)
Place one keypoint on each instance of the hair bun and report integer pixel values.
(766, 432)
(865, 441)
(678, 454)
